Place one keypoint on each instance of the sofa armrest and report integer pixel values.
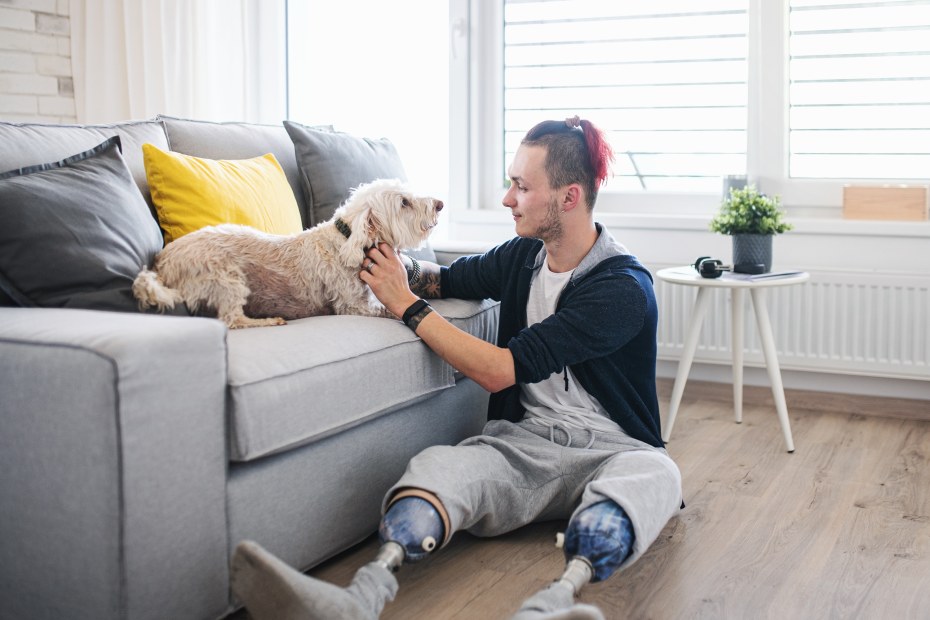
(112, 465)
(448, 251)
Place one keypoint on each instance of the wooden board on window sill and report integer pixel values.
(885, 202)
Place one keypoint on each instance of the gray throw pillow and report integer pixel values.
(30, 144)
(74, 233)
(332, 163)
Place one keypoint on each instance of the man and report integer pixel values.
(574, 421)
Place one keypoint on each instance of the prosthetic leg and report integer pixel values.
(411, 528)
(596, 543)
(271, 590)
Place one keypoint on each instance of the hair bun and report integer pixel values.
(598, 150)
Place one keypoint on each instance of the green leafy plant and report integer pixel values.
(747, 212)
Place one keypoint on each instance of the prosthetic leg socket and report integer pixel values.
(414, 525)
(602, 535)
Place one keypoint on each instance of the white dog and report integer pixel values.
(249, 278)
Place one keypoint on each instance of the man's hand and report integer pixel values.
(489, 366)
(384, 272)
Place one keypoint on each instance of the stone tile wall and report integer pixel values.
(35, 61)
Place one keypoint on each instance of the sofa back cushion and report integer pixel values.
(236, 140)
(30, 144)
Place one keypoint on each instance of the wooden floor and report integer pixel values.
(838, 529)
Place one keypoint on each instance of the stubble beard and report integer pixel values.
(551, 231)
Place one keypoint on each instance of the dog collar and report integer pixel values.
(343, 227)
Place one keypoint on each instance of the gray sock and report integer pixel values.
(556, 602)
(272, 590)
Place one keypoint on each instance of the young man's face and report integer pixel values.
(534, 205)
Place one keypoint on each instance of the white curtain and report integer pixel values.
(206, 59)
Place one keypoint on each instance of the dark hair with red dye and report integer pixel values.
(576, 152)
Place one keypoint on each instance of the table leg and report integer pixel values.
(736, 341)
(687, 356)
(771, 363)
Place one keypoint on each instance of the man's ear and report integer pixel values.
(572, 197)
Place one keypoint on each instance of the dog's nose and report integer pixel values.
(438, 206)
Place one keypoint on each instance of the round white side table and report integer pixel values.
(737, 283)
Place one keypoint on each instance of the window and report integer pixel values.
(667, 80)
(859, 89)
(366, 68)
(801, 96)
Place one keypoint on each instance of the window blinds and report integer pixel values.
(859, 89)
(666, 79)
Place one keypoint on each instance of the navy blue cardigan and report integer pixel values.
(604, 328)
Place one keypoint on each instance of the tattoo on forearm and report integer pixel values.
(428, 284)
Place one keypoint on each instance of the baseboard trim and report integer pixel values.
(901, 408)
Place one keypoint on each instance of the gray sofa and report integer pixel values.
(136, 450)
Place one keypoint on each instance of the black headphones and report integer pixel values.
(712, 268)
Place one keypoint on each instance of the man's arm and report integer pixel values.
(424, 284)
(488, 365)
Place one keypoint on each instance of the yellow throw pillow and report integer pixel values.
(192, 192)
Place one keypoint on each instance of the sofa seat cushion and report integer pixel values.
(314, 377)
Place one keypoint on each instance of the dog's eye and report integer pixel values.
(406, 202)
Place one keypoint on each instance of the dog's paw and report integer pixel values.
(243, 322)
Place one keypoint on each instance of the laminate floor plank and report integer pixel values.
(838, 529)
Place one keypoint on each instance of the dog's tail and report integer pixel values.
(150, 291)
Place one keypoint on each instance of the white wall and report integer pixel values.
(35, 61)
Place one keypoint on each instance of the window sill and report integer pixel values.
(803, 225)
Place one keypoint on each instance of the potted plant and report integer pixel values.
(751, 218)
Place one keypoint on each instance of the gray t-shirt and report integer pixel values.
(558, 400)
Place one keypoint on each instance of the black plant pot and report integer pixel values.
(749, 251)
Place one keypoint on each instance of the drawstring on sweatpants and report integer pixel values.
(568, 434)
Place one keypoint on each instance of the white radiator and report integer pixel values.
(848, 323)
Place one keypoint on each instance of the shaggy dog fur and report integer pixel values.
(248, 278)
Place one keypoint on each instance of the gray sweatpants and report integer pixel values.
(515, 474)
